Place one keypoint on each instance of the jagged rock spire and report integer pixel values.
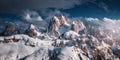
(74, 27)
(32, 31)
(65, 21)
(77, 26)
(54, 26)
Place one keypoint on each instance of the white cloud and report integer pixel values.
(109, 26)
(31, 16)
(113, 21)
(112, 27)
(92, 19)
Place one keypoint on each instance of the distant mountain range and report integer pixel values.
(59, 38)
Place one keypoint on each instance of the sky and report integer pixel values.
(73, 8)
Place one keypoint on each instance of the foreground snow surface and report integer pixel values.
(24, 48)
(28, 48)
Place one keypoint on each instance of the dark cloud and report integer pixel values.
(18, 5)
(50, 12)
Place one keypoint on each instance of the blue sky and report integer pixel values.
(110, 9)
(75, 8)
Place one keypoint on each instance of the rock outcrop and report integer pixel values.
(9, 30)
(32, 31)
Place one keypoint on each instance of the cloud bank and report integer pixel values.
(110, 26)
(18, 5)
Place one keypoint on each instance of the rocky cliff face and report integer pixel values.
(63, 40)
